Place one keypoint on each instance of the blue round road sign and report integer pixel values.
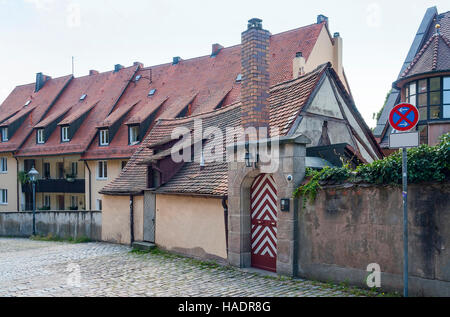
(404, 117)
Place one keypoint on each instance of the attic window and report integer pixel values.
(40, 136)
(152, 92)
(83, 97)
(239, 78)
(104, 137)
(27, 103)
(5, 134)
(138, 77)
(65, 134)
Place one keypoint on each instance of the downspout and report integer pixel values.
(131, 220)
(17, 183)
(225, 215)
(90, 185)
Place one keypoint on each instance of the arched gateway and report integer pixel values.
(264, 223)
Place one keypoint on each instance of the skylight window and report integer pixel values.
(152, 92)
(83, 97)
(239, 78)
(27, 103)
(138, 77)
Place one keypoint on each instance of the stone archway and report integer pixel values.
(289, 175)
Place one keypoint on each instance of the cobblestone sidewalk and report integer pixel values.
(36, 268)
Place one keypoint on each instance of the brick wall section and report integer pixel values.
(255, 76)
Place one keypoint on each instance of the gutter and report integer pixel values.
(90, 185)
(131, 220)
(225, 215)
(17, 183)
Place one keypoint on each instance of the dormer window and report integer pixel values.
(104, 137)
(65, 134)
(40, 136)
(133, 134)
(5, 134)
(83, 97)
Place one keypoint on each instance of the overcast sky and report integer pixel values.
(43, 35)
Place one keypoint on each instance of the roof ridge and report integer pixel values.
(288, 83)
(419, 55)
(206, 114)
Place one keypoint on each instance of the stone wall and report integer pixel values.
(349, 227)
(64, 224)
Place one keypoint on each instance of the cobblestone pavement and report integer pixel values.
(37, 268)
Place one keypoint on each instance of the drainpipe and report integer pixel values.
(225, 215)
(17, 184)
(131, 220)
(90, 185)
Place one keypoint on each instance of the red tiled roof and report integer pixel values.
(50, 119)
(104, 88)
(116, 115)
(205, 82)
(34, 112)
(286, 101)
(435, 53)
(76, 114)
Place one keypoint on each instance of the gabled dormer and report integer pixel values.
(70, 124)
(9, 127)
(46, 127)
(109, 127)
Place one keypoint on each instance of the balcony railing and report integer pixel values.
(75, 186)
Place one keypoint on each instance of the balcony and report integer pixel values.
(75, 186)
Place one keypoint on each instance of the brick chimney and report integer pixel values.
(216, 48)
(255, 76)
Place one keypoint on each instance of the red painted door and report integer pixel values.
(264, 223)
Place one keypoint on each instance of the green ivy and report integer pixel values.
(425, 164)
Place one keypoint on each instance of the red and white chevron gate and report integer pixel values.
(264, 223)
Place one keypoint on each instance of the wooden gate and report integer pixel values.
(264, 223)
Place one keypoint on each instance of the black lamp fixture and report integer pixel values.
(248, 159)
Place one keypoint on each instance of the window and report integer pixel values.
(446, 98)
(74, 202)
(40, 136)
(83, 97)
(104, 137)
(102, 170)
(239, 78)
(152, 92)
(75, 169)
(124, 163)
(137, 78)
(431, 96)
(46, 170)
(133, 132)
(423, 134)
(3, 165)
(3, 196)
(5, 134)
(65, 134)
(99, 204)
(27, 103)
(47, 201)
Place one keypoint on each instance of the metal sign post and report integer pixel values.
(405, 222)
(404, 118)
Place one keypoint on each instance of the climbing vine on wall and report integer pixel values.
(425, 164)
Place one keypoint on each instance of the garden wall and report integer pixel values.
(349, 227)
(64, 224)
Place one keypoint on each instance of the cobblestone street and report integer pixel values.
(38, 268)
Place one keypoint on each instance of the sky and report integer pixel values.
(43, 35)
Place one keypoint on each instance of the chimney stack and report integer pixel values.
(93, 72)
(117, 68)
(338, 44)
(176, 60)
(41, 79)
(255, 76)
(298, 65)
(321, 18)
(216, 48)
